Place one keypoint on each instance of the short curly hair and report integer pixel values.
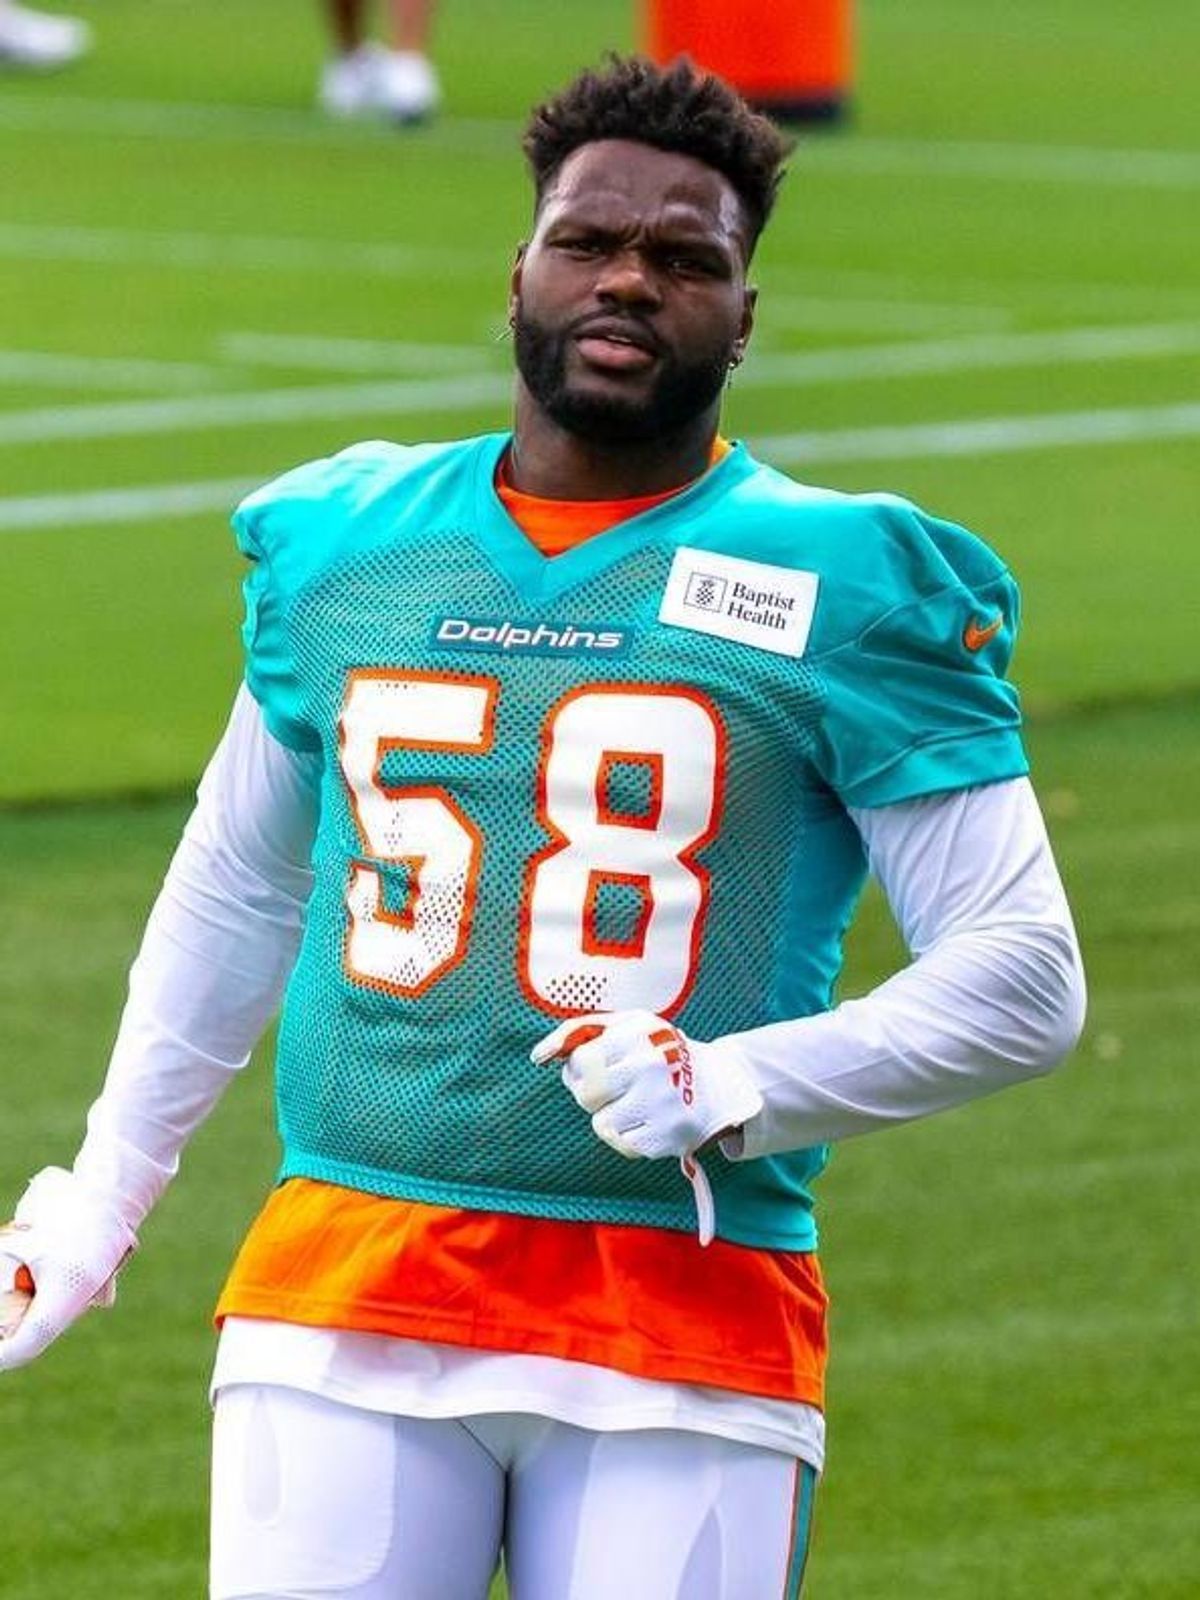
(677, 107)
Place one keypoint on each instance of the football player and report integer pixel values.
(561, 758)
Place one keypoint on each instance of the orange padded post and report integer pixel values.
(790, 58)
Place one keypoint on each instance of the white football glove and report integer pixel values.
(72, 1245)
(650, 1091)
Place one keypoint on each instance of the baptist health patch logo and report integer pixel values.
(530, 637)
(750, 602)
(705, 592)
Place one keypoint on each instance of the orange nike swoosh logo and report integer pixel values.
(975, 637)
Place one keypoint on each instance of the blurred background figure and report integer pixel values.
(365, 78)
(36, 42)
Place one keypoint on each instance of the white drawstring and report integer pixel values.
(706, 1208)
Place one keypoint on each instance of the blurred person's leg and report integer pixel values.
(410, 87)
(38, 42)
(364, 78)
(347, 24)
(410, 24)
(347, 86)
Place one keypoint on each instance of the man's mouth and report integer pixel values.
(616, 347)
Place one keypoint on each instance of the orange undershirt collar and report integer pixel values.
(553, 526)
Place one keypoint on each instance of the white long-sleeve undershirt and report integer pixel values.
(218, 947)
(995, 991)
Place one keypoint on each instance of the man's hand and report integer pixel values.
(649, 1090)
(71, 1245)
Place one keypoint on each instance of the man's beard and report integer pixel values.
(682, 390)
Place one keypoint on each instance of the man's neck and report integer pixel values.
(547, 461)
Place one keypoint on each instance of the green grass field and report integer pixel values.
(985, 295)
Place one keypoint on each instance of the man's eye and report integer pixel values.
(692, 266)
(580, 247)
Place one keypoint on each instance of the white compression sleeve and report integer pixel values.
(995, 992)
(219, 945)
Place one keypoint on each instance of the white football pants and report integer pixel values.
(314, 1500)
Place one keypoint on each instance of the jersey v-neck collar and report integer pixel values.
(519, 560)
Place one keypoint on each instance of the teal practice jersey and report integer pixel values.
(615, 778)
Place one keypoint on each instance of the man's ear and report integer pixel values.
(514, 279)
(749, 305)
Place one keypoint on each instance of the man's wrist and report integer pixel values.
(747, 1104)
(732, 1142)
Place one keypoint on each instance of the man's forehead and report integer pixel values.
(622, 173)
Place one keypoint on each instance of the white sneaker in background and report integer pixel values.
(407, 89)
(38, 42)
(372, 81)
(349, 83)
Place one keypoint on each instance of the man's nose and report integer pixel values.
(627, 277)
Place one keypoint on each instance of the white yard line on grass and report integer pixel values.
(1011, 162)
(983, 436)
(248, 252)
(350, 355)
(787, 284)
(975, 353)
(164, 121)
(893, 316)
(471, 391)
(190, 122)
(138, 418)
(979, 437)
(49, 370)
(144, 503)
